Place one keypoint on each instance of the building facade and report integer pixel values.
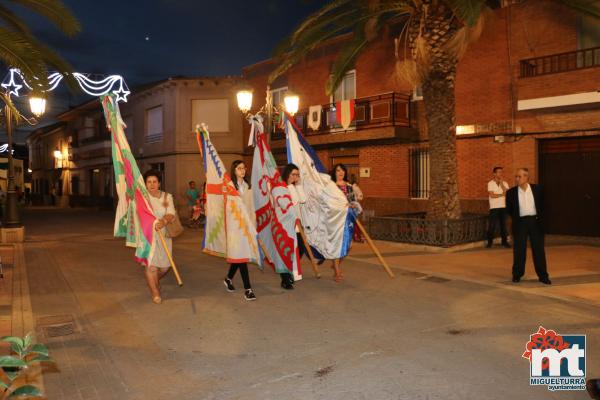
(526, 96)
(161, 120)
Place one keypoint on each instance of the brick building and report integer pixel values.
(526, 95)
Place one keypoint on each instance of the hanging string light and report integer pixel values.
(14, 81)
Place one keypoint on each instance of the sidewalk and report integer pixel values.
(574, 268)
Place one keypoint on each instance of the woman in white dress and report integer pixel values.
(164, 210)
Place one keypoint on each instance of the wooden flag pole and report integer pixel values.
(308, 250)
(372, 245)
(162, 239)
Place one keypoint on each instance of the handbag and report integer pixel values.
(174, 228)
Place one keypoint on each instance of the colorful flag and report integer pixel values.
(229, 230)
(134, 219)
(276, 215)
(345, 112)
(326, 216)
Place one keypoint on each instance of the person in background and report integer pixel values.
(291, 176)
(164, 210)
(191, 195)
(524, 204)
(497, 188)
(238, 176)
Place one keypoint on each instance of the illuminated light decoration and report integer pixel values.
(291, 103)
(244, 99)
(38, 105)
(4, 149)
(109, 84)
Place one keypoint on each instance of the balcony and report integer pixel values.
(384, 112)
(563, 62)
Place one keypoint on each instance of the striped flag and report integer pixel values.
(326, 216)
(344, 112)
(229, 230)
(276, 215)
(134, 219)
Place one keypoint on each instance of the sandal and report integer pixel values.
(157, 300)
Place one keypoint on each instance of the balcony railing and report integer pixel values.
(388, 109)
(552, 64)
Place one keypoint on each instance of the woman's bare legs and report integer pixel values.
(337, 272)
(151, 273)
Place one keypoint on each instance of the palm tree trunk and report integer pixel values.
(439, 101)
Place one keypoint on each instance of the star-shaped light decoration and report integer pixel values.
(11, 86)
(121, 93)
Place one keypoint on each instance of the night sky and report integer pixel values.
(149, 40)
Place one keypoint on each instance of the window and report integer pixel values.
(419, 173)
(214, 113)
(129, 128)
(346, 89)
(154, 124)
(417, 93)
(588, 37)
(278, 95)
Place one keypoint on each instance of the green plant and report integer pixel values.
(14, 368)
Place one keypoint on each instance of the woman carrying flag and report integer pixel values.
(238, 176)
(164, 210)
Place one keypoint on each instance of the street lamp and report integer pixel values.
(38, 105)
(291, 102)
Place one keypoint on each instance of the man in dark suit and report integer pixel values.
(524, 203)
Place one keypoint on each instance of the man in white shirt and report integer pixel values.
(497, 188)
(525, 204)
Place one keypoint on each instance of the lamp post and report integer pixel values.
(11, 218)
(291, 102)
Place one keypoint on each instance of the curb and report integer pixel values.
(497, 285)
(22, 313)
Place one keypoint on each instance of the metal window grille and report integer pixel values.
(419, 182)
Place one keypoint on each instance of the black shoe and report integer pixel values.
(546, 281)
(506, 245)
(321, 261)
(287, 285)
(488, 245)
(229, 285)
(516, 279)
(249, 295)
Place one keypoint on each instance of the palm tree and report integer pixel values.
(435, 34)
(19, 48)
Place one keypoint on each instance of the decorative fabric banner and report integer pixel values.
(134, 219)
(345, 112)
(326, 216)
(275, 214)
(229, 231)
(314, 117)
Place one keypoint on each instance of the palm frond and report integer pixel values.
(56, 12)
(467, 11)
(346, 58)
(459, 43)
(332, 20)
(17, 51)
(587, 7)
(13, 21)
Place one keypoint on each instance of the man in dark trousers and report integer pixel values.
(524, 203)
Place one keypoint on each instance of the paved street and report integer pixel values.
(413, 337)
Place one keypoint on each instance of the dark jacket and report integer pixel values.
(512, 203)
